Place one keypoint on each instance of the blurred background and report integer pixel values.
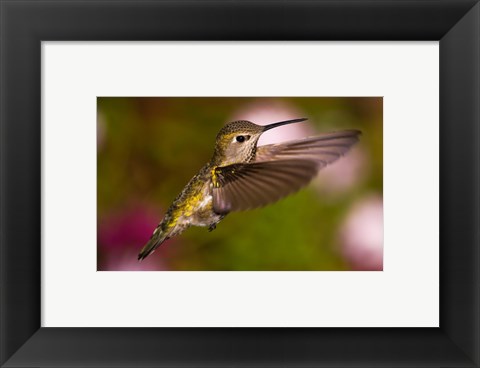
(149, 148)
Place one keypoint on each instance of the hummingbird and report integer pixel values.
(242, 176)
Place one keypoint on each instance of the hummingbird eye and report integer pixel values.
(240, 138)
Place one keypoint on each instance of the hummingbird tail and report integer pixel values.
(157, 238)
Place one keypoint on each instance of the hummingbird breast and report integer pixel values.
(202, 213)
(194, 205)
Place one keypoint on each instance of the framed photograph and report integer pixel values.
(325, 219)
(248, 184)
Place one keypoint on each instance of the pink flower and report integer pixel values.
(122, 234)
(361, 235)
(127, 261)
(126, 228)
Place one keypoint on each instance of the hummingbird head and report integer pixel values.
(237, 141)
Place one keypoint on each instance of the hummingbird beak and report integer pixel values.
(274, 125)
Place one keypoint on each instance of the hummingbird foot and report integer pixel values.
(212, 227)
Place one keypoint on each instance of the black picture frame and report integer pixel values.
(24, 24)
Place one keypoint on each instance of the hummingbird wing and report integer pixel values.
(240, 187)
(323, 149)
(278, 170)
